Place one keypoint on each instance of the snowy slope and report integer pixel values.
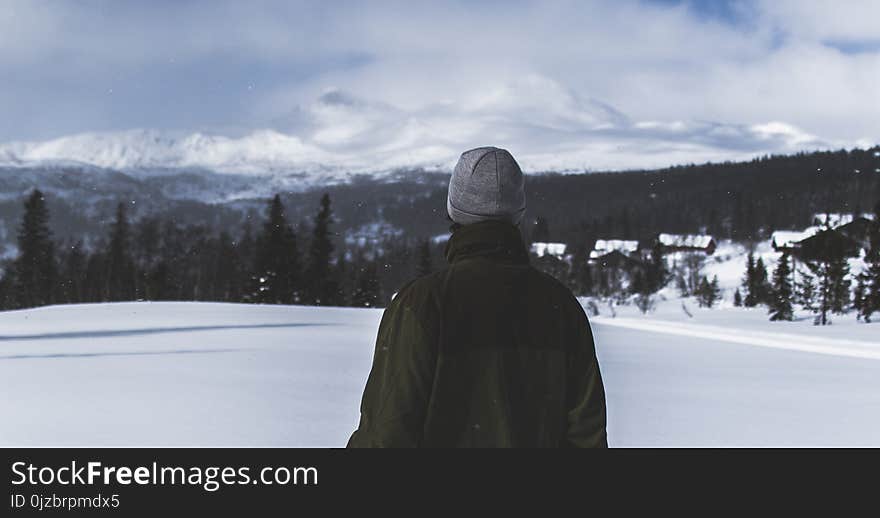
(225, 374)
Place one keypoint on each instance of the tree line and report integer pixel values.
(156, 259)
(823, 286)
(272, 262)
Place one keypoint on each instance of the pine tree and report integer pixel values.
(840, 285)
(702, 292)
(639, 284)
(276, 272)
(322, 287)
(147, 240)
(656, 272)
(343, 276)
(247, 255)
(708, 293)
(737, 298)
(229, 267)
(424, 266)
(860, 299)
(35, 269)
(831, 270)
(367, 291)
(7, 293)
(73, 274)
(581, 273)
(748, 283)
(642, 288)
(780, 303)
(120, 265)
(761, 284)
(806, 291)
(823, 291)
(714, 291)
(871, 276)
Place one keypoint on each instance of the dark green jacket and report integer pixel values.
(487, 352)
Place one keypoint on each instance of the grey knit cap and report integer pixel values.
(487, 184)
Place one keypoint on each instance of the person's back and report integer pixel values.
(487, 352)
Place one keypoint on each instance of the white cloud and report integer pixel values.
(565, 84)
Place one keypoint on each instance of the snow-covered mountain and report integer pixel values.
(547, 127)
(261, 153)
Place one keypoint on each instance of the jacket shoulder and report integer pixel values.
(564, 296)
(556, 286)
(421, 296)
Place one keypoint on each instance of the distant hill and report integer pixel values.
(742, 200)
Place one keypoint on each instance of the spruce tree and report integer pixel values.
(246, 245)
(840, 285)
(657, 272)
(831, 270)
(871, 276)
(780, 302)
(35, 269)
(7, 294)
(708, 293)
(277, 267)
(737, 298)
(748, 283)
(120, 265)
(714, 291)
(761, 283)
(639, 284)
(702, 292)
(146, 246)
(322, 288)
(343, 275)
(229, 267)
(366, 293)
(73, 274)
(823, 291)
(806, 291)
(860, 298)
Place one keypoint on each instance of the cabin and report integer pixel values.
(556, 250)
(789, 241)
(845, 231)
(830, 219)
(815, 247)
(858, 230)
(604, 247)
(687, 243)
(618, 260)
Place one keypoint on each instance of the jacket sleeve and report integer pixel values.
(586, 393)
(399, 386)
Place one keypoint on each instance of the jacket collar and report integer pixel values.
(497, 240)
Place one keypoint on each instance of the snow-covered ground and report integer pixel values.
(225, 374)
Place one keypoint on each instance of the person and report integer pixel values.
(488, 352)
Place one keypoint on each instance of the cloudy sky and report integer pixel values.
(577, 84)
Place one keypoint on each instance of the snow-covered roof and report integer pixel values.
(605, 246)
(685, 240)
(554, 249)
(835, 220)
(790, 238)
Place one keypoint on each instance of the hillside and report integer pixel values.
(743, 201)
